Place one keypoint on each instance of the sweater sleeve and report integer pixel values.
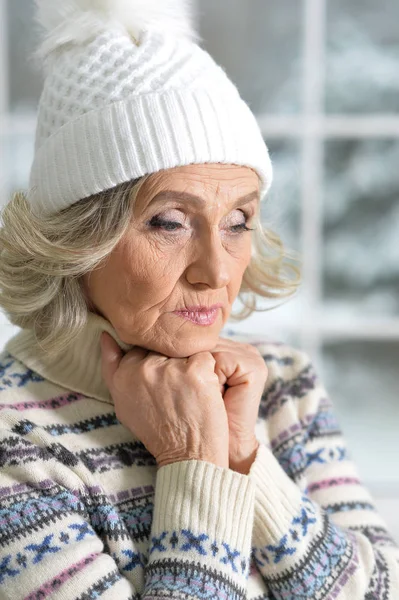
(317, 533)
(53, 544)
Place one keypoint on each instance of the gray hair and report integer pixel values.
(42, 262)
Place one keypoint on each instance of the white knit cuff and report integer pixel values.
(144, 134)
(204, 514)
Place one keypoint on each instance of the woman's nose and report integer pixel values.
(211, 264)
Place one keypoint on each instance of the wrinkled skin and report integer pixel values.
(154, 271)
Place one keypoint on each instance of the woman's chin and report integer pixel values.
(180, 347)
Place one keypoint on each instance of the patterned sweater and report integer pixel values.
(85, 512)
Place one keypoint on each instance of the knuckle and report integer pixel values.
(202, 358)
(146, 369)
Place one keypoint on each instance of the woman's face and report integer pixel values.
(185, 246)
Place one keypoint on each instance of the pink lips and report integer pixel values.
(203, 317)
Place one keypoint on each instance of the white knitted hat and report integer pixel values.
(128, 91)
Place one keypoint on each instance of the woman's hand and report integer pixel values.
(243, 369)
(173, 405)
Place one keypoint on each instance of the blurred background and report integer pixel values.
(322, 78)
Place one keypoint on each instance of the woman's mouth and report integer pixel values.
(199, 317)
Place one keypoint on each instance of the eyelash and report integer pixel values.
(157, 223)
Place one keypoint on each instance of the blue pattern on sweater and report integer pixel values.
(10, 377)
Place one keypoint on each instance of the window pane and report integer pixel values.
(242, 334)
(17, 151)
(3, 172)
(362, 56)
(281, 208)
(362, 379)
(361, 225)
(244, 36)
(25, 77)
(7, 329)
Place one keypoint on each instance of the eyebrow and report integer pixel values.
(187, 197)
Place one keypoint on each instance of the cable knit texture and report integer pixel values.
(85, 512)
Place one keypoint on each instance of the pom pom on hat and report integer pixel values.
(79, 21)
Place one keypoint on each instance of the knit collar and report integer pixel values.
(78, 368)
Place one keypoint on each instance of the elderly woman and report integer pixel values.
(144, 456)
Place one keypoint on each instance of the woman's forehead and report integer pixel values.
(227, 182)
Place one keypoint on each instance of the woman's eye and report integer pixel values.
(241, 227)
(158, 223)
